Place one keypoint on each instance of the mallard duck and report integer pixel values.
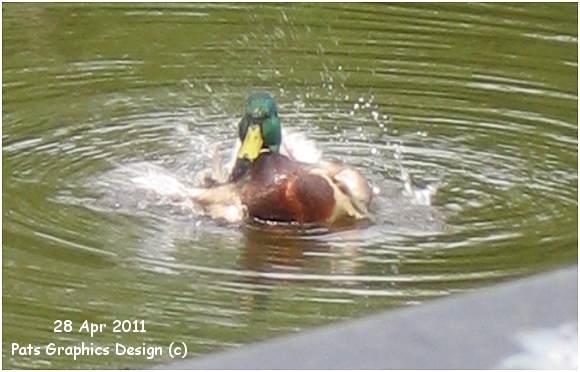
(268, 184)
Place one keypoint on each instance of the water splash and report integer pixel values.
(142, 186)
(419, 195)
(155, 188)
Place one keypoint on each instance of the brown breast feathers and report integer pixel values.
(279, 189)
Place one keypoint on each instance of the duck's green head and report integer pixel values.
(260, 127)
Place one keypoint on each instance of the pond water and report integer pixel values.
(462, 117)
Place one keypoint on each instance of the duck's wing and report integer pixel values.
(220, 202)
(349, 180)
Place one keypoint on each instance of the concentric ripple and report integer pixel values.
(462, 117)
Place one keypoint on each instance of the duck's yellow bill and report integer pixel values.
(252, 144)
